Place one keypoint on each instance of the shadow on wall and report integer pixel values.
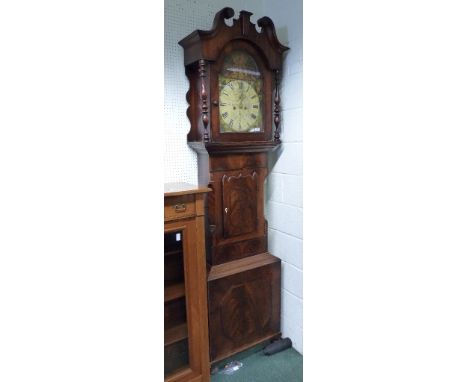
(273, 158)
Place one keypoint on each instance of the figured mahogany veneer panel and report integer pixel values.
(239, 204)
(244, 306)
(237, 161)
(238, 250)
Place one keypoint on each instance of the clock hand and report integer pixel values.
(239, 107)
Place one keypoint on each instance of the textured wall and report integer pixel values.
(182, 17)
(284, 188)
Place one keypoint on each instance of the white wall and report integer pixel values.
(284, 185)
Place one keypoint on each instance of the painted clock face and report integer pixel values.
(240, 95)
(239, 106)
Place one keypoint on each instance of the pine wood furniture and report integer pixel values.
(234, 112)
(186, 355)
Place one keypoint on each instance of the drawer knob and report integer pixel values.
(180, 207)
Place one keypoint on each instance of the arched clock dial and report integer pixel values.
(240, 94)
(239, 106)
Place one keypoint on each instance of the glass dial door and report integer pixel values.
(240, 94)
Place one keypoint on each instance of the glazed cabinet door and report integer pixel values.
(184, 286)
(176, 346)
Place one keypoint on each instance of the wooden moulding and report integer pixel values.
(237, 266)
(234, 147)
(181, 188)
(207, 45)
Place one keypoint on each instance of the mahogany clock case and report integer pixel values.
(244, 279)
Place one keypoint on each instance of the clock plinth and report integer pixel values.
(244, 308)
(234, 113)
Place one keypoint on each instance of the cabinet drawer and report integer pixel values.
(179, 207)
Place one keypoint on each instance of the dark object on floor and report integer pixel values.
(277, 346)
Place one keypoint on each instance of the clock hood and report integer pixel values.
(207, 45)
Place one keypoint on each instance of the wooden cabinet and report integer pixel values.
(186, 354)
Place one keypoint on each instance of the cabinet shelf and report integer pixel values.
(174, 291)
(173, 252)
(175, 334)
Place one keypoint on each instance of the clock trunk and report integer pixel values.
(243, 277)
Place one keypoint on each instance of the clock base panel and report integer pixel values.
(243, 304)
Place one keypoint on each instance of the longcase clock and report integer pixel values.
(234, 112)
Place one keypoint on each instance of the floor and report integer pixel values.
(285, 366)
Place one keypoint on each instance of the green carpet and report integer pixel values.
(285, 366)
